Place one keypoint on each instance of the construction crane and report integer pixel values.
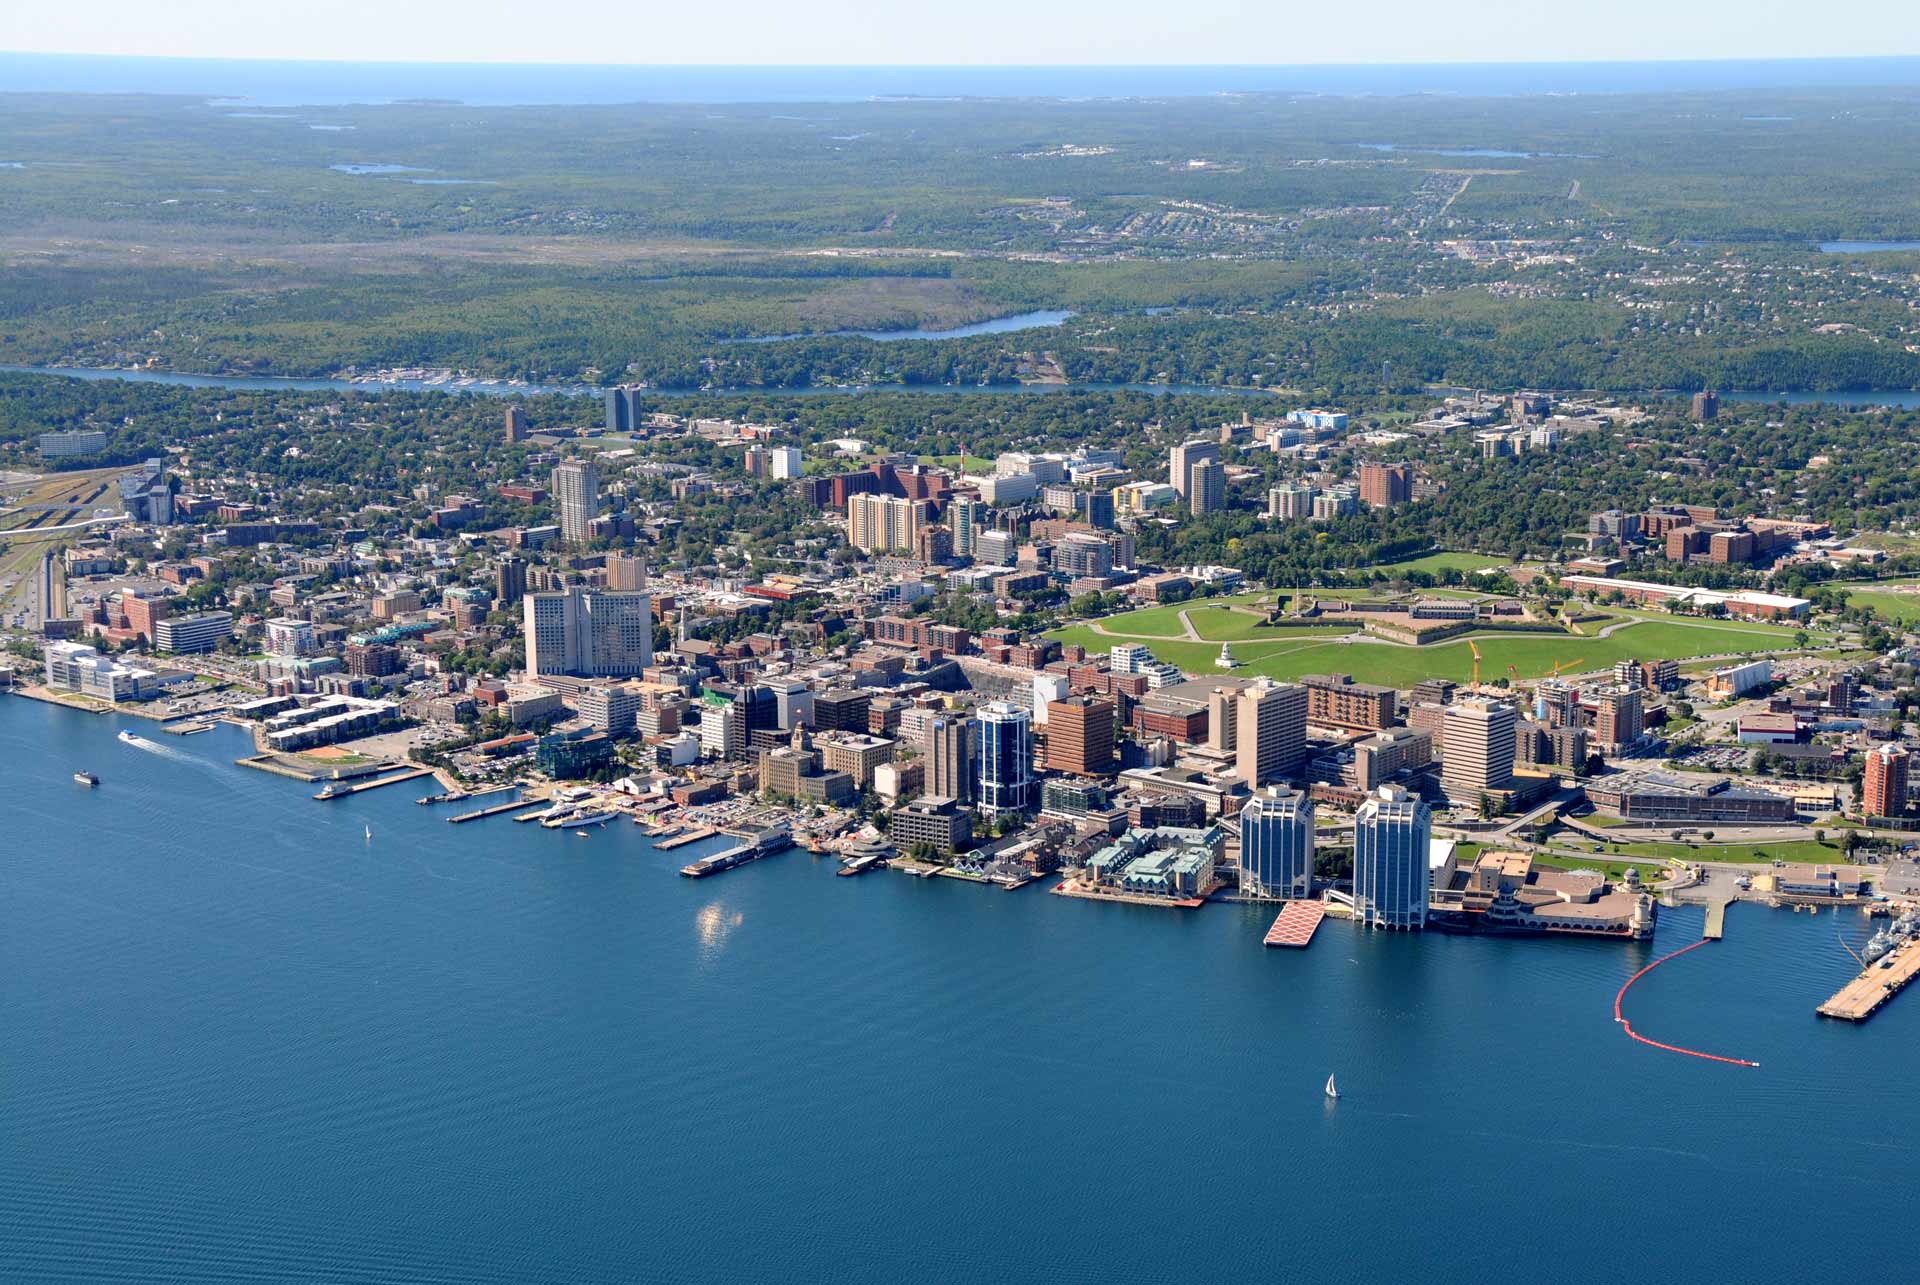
(1565, 665)
(1474, 647)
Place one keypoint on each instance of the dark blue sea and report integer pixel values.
(268, 82)
(239, 1041)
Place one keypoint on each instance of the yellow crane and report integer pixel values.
(1474, 647)
(1565, 665)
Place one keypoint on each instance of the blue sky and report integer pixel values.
(897, 32)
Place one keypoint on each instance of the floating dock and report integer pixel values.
(1716, 926)
(1886, 977)
(1296, 924)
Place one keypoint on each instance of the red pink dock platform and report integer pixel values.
(1296, 924)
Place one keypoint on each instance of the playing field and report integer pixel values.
(1290, 653)
(1884, 597)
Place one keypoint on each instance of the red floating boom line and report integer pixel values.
(1671, 1048)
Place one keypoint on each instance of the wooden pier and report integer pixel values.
(1886, 977)
(479, 814)
(685, 837)
(388, 780)
(1716, 926)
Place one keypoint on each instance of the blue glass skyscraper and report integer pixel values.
(1276, 844)
(1005, 778)
(1392, 833)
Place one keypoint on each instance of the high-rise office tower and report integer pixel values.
(1182, 458)
(963, 515)
(623, 408)
(589, 634)
(510, 581)
(1206, 488)
(1271, 731)
(1392, 877)
(1883, 791)
(576, 492)
(950, 758)
(1223, 720)
(626, 574)
(1478, 737)
(1005, 773)
(1080, 736)
(1276, 844)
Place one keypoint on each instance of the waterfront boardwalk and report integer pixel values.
(1296, 924)
(411, 774)
(1862, 997)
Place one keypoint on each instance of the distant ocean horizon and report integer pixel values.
(291, 83)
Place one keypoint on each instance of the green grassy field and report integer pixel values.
(965, 463)
(1790, 850)
(1290, 655)
(1434, 563)
(1878, 594)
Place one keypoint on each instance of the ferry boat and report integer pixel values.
(332, 790)
(87, 779)
(574, 818)
(584, 817)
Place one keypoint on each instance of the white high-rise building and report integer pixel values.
(784, 462)
(994, 548)
(1478, 739)
(576, 493)
(289, 637)
(1392, 873)
(589, 634)
(723, 732)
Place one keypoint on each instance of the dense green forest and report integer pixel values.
(1614, 242)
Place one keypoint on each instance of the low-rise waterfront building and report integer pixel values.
(77, 667)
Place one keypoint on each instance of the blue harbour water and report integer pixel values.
(242, 1041)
